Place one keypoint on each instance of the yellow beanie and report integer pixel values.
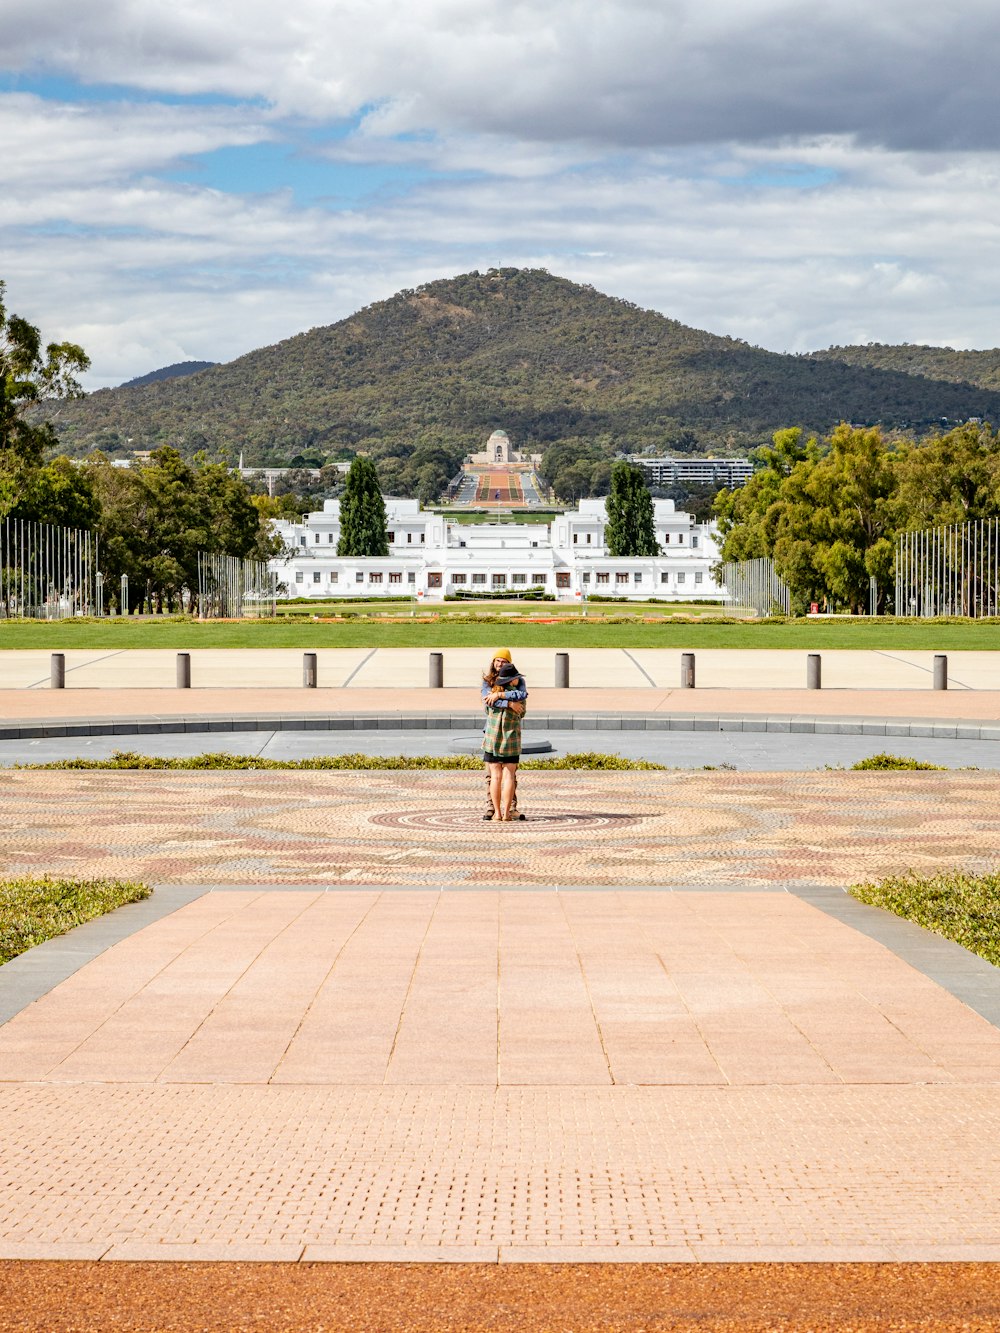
(502, 653)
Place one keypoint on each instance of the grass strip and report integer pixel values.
(33, 910)
(128, 759)
(892, 763)
(963, 908)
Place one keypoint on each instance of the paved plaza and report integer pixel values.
(355, 1022)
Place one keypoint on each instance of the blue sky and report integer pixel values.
(190, 183)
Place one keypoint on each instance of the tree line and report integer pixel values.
(152, 520)
(828, 512)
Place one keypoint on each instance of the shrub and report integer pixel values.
(893, 762)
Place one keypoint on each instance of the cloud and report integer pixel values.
(905, 74)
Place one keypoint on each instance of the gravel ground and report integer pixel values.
(427, 1298)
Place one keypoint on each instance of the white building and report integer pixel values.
(431, 556)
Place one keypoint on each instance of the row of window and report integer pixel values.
(666, 539)
(563, 578)
(331, 538)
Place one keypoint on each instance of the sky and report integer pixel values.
(192, 181)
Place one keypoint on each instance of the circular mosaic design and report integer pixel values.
(442, 820)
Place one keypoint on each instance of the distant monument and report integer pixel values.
(499, 450)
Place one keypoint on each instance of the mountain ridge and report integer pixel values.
(548, 359)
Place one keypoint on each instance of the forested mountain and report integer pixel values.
(935, 363)
(176, 371)
(547, 359)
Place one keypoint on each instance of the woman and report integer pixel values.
(502, 737)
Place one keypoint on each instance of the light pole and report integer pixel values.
(123, 596)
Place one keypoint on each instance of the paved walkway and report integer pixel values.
(643, 1025)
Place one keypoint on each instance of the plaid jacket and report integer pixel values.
(502, 736)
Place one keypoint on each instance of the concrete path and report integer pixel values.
(644, 1025)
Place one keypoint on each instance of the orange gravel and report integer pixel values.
(429, 1298)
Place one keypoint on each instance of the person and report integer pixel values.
(504, 692)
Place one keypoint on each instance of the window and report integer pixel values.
(664, 578)
(423, 536)
(499, 580)
(329, 538)
(458, 578)
(680, 578)
(540, 578)
(317, 576)
(376, 577)
(680, 539)
(694, 541)
(391, 536)
(603, 578)
(666, 539)
(621, 576)
(334, 576)
(359, 577)
(434, 578)
(302, 541)
(588, 538)
(562, 578)
(409, 536)
(395, 578)
(576, 538)
(479, 578)
(585, 578)
(411, 577)
(519, 578)
(316, 538)
(299, 576)
(638, 577)
(698, 577)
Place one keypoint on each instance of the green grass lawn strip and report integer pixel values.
(963, 908)
(129, 759)
(34, 910)
(609, 632)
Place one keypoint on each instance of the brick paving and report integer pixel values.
(583, 1066)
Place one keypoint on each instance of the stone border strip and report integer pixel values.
(965, 975)
(970, 979)
(33, 974)
(953, 729)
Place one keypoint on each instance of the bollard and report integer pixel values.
(58, 671)
(814, 672)
(940, 671)
(562, 671)
(183, 671)
(310, 671)
(435, 677)
(687, 671)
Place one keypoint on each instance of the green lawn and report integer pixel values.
(452, 632)
(33, 910)
(963, 908)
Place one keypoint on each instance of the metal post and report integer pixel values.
(310, 671)
(940, 671)
(687, 671)
(562, 671)
(57, 672)
(183, 671)
(436, 671)
(814, 672)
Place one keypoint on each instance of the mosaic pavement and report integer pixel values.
(601, 829)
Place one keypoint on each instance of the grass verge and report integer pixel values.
(963, 908)
(128, 759)
(35, 910)
(892, 763)
(559, 631)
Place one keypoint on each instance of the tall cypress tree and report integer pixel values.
(362, 512)
(630, 529)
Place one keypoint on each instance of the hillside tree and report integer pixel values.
(630, 529)
(363, 529)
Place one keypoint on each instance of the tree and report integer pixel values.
(362, 513)
(630, 529)
(27, 376)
